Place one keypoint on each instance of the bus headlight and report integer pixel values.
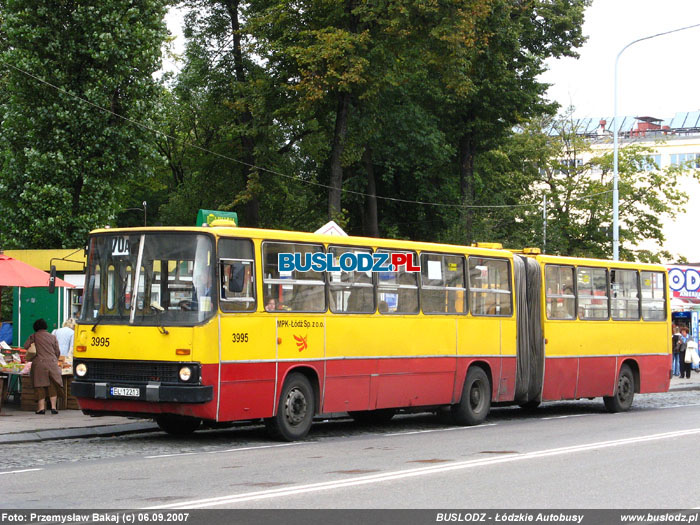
(185, 373)
(81, 370)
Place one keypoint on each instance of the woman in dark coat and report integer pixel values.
(45, 371)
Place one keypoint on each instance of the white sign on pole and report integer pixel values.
(331, 228)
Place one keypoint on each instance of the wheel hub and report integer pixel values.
(295, 407)
(475, 395)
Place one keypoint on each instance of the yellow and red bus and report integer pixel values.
(201, 325)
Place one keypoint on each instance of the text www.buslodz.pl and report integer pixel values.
(347, 262)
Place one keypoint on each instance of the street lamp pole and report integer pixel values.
(616, 128)
(143, 209)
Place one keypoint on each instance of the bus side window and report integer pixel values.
(592, 291)
(489, 286)
(559, 296)
(397, 292)
(624, 294)
(237, 274)
(442, 284)
(653, 296)
(350, 292)
(300, 290)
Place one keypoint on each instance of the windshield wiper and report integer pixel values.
(98, 321)
(158, 308)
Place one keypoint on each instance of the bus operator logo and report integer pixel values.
(347, 262)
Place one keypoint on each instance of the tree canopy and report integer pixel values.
(421, 120)
(66, 164)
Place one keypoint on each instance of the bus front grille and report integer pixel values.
(131, 371)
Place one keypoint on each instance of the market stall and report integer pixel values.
(13, 366)
(16, 380)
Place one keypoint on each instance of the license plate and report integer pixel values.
(125, 392)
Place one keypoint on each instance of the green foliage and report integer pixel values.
(68, 167)
(277, 102)
(548, 158)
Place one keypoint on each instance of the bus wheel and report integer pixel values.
(295, 411)
(624, 395)
(178, 426)
(373, 416)
(475, 403)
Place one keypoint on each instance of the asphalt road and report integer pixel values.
(566, 455)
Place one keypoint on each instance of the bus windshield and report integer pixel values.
(150, 279)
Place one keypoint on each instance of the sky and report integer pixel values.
(656, 77)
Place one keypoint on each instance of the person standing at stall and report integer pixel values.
(65, 337)
(45, 373)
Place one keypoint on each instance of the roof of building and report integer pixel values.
(682, 123)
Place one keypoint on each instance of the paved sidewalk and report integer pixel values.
(686, 384)
(18, 426)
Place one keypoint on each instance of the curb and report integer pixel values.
(684, 388)
(84, 432)
(143, 427)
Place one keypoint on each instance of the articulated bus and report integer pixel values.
(205, 326)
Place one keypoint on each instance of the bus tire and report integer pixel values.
(295, 411)
(177, 425)
(382, 415)
(475, 402)
(624, 393)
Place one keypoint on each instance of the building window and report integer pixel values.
(687, 160)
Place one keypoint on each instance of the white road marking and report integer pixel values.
(24, 470)
(679, 406)
(231, 450)
(173, 455)
(436, 430)
(565, 417)
(421, 471)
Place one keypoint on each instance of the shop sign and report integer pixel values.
(684, 281)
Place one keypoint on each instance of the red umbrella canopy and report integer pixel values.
(17, 273)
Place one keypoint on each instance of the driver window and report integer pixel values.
(236, 275)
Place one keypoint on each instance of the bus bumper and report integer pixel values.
(151, 392)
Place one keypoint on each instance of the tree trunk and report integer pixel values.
(371, 226)
(252, 206)
(336, 181)
(466, 186)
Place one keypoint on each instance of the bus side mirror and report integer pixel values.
(52, 279)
